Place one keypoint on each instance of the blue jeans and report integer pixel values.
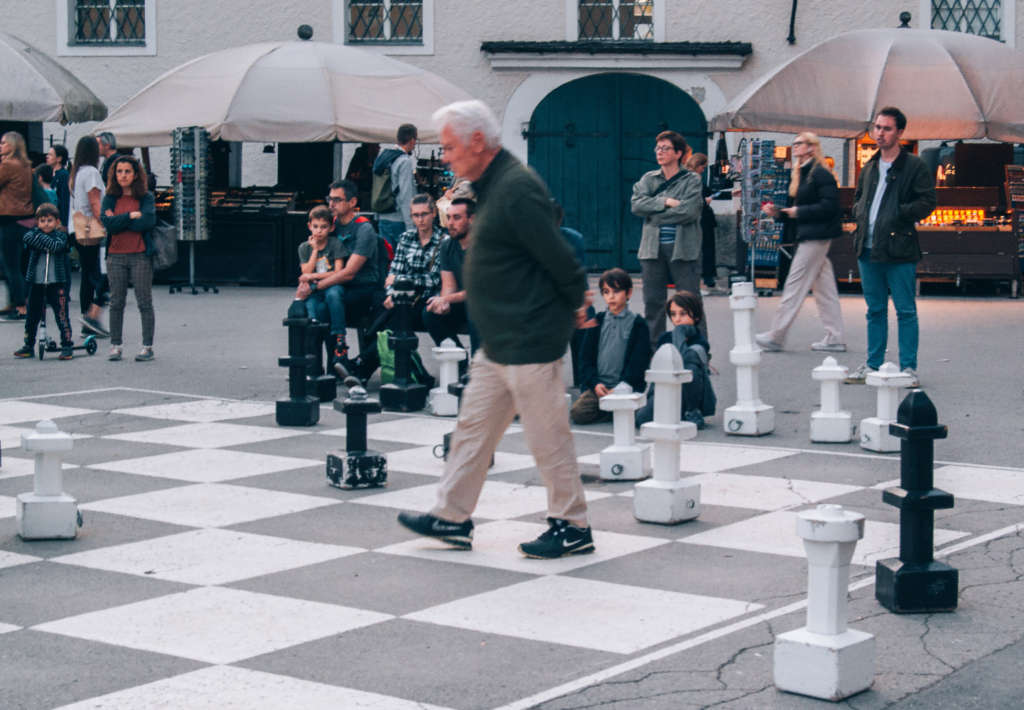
(328, 305)
(878, 281)
(391, 230)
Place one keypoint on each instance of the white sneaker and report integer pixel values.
(859, 376)
(826, 347)
(115, 353)
(767, 345)
(704, 293)
(915, 381)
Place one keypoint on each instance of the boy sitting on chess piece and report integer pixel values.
(319, 257)
(49, 270)
(617, 348)
(686, 312)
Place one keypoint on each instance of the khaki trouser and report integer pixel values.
(489, 404)
(587, 409)
(811, 269)
(657, 274)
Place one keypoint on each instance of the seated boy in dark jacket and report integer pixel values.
(617, 349)
(686, 312)
(49, 270)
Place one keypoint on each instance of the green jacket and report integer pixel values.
(909, 197)
(523, 283)
(688, 189)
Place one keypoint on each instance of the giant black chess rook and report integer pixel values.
(299, 409)
(916, 583)
(360, 467)
(322, 386)
(403, 394)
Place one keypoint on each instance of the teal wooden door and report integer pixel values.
(592, 139)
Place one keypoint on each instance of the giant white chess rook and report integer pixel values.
(874, 431)
(749, 416)
(830, 424)
(667, 498)
(625, 460)
(449, 354)
(825, 659)
(47, 513)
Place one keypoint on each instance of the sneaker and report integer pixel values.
(13, 317)
(915, 381)
(92, 326)
(704, 293)
(26, 351)
(717, 291)
(66, 353)
(769, 346)
(115, 353)
(562, 539)
(826, 347)
(859, 376)
(695, 417)
(458, 535)
(146, 354)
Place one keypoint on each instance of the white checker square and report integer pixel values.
(208, 505)
(498, 500)
(214, 624)
(994, 485)
(207, 557)
(8, 507)
(496, 545)
(202, 410)
(425, 431)
(8, 628)
(12, 412)
(775, 533)
(763, 492)
(422, 460)
(12, 467)
(10, 437)
(207, 465)
(233, 688)
(586, 613)
(712, 458)
(208, 435)
(13, 559)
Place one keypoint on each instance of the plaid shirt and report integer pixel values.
(420, 264)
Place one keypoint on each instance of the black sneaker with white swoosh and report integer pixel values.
(562, 539)
(458, 535)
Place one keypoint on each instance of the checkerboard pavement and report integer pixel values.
(216, 568)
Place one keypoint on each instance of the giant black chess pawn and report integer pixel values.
(916, 583)
(360, 467)
(299, 409)
(320, 385)
(403, 394)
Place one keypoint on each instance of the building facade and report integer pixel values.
(581, 86)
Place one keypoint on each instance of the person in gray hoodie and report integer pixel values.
(670, 200)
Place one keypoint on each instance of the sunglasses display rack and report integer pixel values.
(765, 180)
(190, 171)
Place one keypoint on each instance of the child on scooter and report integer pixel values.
(49, 269)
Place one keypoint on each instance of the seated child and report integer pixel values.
(617, 350)
(49, 270)
(320, 257)
(686, 312)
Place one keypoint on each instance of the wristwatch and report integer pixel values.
(313, 285)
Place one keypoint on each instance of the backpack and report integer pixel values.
(709, 402)
(418, 373)
(382, 194)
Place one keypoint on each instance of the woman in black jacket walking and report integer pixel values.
(814, 195)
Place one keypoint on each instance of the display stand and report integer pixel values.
(765, 179)
(190, 164)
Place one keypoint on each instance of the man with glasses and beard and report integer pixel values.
(446, 313)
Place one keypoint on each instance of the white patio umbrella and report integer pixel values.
(286, 92)
(951, 85)
(36, 88)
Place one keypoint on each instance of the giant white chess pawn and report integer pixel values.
(830, 424)
(625, 460)
(442, 403)
(667, 498)
(825, 659)
(749, 416)
(47, 513)
(874, 431)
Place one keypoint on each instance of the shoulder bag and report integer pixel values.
(89, 231)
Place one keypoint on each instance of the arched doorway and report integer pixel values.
(591, 139)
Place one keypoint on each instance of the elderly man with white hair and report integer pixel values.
(525, 292)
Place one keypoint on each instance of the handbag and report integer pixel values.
(165, 243)
(89, 231)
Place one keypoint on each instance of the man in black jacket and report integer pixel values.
(895, 190)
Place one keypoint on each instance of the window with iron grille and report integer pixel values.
(385, 22)
(108, 22)
(616, 19)
(976, 17)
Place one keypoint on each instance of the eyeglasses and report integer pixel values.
(334, 200)
(421, 215)
(799, 142)
(664, 149)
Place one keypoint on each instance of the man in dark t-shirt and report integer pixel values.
(446, 313)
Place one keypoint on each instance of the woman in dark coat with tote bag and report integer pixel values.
(818, 220)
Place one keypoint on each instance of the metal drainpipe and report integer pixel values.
(792, 25)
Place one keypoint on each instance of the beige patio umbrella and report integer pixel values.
(951, 85)
(286, 92)
(36, 88)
